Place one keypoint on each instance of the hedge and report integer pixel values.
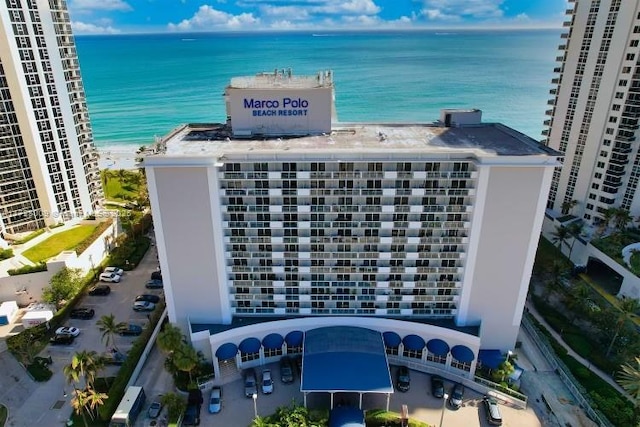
(129, 254)
(27, 269)
(6, 254)
(82, 246)
(116, 392)
(29, 237)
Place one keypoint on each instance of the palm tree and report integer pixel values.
(629, 379)
(607, 216)
(78, 402)
(94, 400)
(175, 405)
(555, 281)
(186, 360)
(109, 327)
(567, 206)
(170, 339)
(627, 307)
(560, 236)
(621, 219)
(83, 366)
(575, 230)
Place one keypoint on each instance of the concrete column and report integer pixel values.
(360, 406)
(216, 367)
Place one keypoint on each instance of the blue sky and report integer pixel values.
(139, 16)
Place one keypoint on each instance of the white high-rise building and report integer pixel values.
(595, 111)
(48, 163)
(279, 221)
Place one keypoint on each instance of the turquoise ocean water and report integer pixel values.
(139, 86)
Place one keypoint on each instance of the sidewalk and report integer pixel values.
(587, 364)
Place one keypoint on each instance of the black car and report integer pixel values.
(437, 386)
(62, 339)
(455, 401)
(148, 298)
(191, 415)
(153, 284)
(100, 290)
(250, 383)
(156, 275)
(84, 313)
(404, 379)
(130, 329)
(286, 370)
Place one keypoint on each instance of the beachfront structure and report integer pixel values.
(280, 221)
(595, 110)
(48, 166)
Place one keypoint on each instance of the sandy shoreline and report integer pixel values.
(117, 159)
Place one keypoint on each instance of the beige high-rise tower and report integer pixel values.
(48, 163)
(594, 114)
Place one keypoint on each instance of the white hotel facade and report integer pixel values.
(279, 221)
(48, 164)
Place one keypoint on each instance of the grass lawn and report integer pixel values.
(3, 415)
(120, 188)
(63, 241)
(635, 262)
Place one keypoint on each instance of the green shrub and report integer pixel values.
(39, 372)
(382, 418)
(27, 269)
(6, 254)
(129, 254)
(83, 245)
(29, 237)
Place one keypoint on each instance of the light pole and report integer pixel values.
(255, 404)
(444, 404)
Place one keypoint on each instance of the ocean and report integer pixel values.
(142, 86)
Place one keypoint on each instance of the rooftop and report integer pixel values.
(485, 139)
(279, 79)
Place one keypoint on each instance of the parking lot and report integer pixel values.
(45, 404)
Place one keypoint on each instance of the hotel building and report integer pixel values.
(278, 222)
(595, 110)
(48, 164)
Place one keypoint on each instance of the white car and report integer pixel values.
(68, 330)
(110, 277)
(114, 270)
(143, 306)
(267, 382)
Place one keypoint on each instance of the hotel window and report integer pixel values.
(272, 352)
(247, 357)
(463, 366)
(630, 56)
(613, 119)
(436, 359)
(622, 82)
(413, 354)
(392, 351)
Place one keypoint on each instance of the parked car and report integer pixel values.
(130, 329)
(114, 270)
(455, 401)
(286, 370)
(149, 298)
(153, 284)
(113, 357)
(62, 339)
(68, 330)
(192, 413)
(84, 313)
(404, 379)
(144, 306)
(215, 400)
(100, 290)
(250, 383)
(155, 409)
(492, 411)
(437, 386)
(267, 382)
(156, 275)
(110, 277)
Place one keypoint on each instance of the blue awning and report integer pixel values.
(462, 353)
(250, 345)
(438, 347)
(227, 351)
(272, 341)
(294, 338)
(346, 416)
(413, 342)
(491, 358)
(391, 339)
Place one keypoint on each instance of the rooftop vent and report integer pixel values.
(456, 118)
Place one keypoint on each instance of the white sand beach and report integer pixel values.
(117, 158)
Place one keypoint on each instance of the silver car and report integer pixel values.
(215, 400)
